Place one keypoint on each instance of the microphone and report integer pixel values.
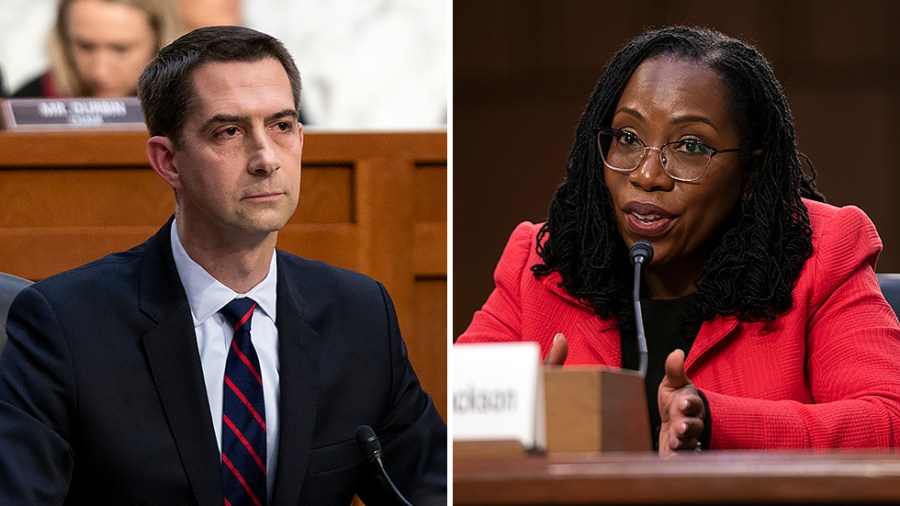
(370, 445)
(641, 254)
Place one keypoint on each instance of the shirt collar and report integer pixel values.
(206, 295)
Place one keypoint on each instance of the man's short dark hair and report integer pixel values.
(165, 88)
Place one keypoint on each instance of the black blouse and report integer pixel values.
(665, 331)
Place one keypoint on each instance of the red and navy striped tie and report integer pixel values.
(243, 414)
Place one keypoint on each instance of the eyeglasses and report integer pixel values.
(684, 160)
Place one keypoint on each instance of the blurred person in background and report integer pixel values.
(369, 64)
(98, 48)
(199, 13)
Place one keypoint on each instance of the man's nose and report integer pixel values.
(263, 159)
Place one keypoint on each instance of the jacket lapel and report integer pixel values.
(710, 334)
(298, 355)
(601, 335)
(174, 361)
(606, 341)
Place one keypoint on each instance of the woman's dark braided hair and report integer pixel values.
(751, 272)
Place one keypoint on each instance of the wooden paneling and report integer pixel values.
(370, 202)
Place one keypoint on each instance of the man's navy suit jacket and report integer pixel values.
(102, 399)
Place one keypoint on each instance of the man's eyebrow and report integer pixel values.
(219, 119)
(287, 113)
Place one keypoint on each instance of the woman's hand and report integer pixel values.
(558, 351)
(680, 408)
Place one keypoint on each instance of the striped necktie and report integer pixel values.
(243, 413)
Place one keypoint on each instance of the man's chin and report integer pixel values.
(266, 225)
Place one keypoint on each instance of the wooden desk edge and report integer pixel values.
(853, 477)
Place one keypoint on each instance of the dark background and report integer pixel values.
(523, 71)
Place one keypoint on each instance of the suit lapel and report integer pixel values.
(710, 334)
(174, 360)
(607, 346)
(605, 342)
(600, 335)
(298, 355)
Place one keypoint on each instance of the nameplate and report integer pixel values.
(33, 114)
(498, 393)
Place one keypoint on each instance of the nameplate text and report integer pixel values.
(30, 114)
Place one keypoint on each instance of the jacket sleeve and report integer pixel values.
(413, 435)
(500, 319)
(852, 354)
(36, 403)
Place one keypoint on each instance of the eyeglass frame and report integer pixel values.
(614, 131)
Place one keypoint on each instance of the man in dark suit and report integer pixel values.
(130, 381)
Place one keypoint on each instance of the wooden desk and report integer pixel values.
(855, 477)
(370, 202)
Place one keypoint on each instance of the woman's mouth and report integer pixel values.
(647, 220)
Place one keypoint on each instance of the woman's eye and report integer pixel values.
(693, 147)
(629, 139)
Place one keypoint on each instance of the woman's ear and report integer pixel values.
(161, 154)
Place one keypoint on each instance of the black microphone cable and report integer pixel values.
(641, 253)
(371, 446)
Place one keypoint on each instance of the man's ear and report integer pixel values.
(161, 154)
(300, 129)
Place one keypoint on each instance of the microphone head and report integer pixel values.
(641, 252)
(368, 442)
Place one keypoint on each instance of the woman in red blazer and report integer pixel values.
(765, 324)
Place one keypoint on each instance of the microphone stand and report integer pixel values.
(371, 446)
(641, 253)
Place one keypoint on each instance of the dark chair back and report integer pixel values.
(10, 286)
(890, 287)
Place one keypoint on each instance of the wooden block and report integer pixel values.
(595, 409)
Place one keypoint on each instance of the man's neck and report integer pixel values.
(237, 265)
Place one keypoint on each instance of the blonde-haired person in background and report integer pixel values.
(98, 48)
(199, 13)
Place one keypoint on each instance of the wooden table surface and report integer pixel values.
(717, 477)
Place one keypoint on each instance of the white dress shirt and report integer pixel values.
(207, 296)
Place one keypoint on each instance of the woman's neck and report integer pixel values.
(671, 281)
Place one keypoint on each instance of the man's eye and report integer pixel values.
(228, 132)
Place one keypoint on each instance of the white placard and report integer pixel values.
(498, 393)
